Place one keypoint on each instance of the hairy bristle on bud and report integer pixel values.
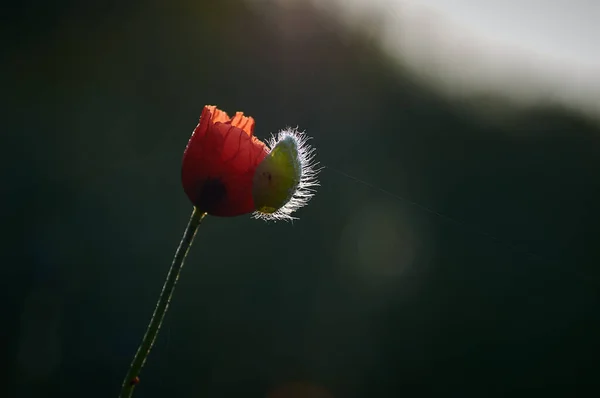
(296, 162)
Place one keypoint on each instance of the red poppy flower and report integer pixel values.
(219, 163)
(227, 171)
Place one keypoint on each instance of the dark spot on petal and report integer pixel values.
(210, 194)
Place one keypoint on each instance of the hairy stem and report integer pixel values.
(161, 306)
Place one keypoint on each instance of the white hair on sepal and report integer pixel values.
(308, 167)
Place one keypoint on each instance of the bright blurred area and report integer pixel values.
(529, 52)
(450, 250)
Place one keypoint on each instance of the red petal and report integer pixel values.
(246, 123)
(219, 163)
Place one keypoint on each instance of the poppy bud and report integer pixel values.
(227, 171)
(285, 179)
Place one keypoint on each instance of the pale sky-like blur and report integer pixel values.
(562, 29)
(528, 51)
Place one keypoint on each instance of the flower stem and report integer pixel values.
(161, 306)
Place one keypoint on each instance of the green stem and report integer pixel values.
(161, 306)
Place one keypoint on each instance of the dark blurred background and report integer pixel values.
(367, 295)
